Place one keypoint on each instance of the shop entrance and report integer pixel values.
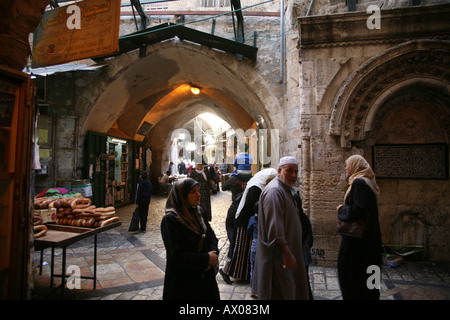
(113, 166)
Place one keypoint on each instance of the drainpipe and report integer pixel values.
(309, 8)
(282, 44)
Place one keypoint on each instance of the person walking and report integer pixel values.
(191, 246)
(229, 227)
(236, 184)
(182, 167)
(252, 229)
(223, 167)
(357, 254)
(238, 266)
(143, 198)
(202, 177)
(213, 178)
(279, 263)
(307, 238)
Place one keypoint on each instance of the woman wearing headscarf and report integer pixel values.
(357, 254)
(191, 246)
(203, 177)
(238, 261)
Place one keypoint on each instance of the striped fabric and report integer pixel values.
(239, 266)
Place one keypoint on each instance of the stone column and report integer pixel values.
(306, 164)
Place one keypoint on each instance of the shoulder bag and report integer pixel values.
(354, 229)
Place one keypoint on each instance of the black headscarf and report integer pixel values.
(177, 203)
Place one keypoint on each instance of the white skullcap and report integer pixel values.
(288, 160)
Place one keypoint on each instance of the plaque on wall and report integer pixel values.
(411, 161)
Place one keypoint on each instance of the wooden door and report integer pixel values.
(16, 113)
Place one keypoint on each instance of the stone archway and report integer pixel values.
(133, 90)
(365, 90)
(401, 96)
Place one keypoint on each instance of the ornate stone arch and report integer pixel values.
(367, 88)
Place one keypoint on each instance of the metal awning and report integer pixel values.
(66, 67)
(167, 31)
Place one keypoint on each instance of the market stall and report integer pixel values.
(61, 236)
(62, 221)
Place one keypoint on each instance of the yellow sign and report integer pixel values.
(85, 29)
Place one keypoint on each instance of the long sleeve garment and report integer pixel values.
(144, 191)
(205, 188)
(355, 255)
(186, 276)
(236, 185)
(279, 223)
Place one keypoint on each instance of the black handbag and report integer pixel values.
(134, 225)
(354, 229)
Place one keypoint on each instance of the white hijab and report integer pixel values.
(202, 172)
(260, 180)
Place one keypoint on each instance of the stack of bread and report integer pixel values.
(40, 229)
(79, 212)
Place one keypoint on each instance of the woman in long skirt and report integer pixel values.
(238, 266)
(357, 254)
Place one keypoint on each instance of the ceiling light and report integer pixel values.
(118, 140)
(195, 90)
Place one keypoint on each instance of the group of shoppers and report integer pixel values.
(276, 263)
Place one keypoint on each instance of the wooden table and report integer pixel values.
(62, 236)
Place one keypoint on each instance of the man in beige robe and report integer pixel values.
(279, 257)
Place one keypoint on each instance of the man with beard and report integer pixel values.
(279, 259)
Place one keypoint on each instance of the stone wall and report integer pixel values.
(342, 63)
(330, 57)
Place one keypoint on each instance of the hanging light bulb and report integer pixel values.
(195, 90)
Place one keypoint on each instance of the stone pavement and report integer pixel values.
(131, 266)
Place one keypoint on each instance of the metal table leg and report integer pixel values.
(40, 262)
(52, 266)
(63, 273)
(95, 261)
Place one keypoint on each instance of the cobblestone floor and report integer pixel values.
(131, 266)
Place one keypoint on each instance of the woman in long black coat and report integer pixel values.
(202, 177)
(191, 246)
(357, 254)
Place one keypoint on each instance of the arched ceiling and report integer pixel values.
(157, 87)
(181, 101)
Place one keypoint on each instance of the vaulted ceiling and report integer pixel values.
(157, 87)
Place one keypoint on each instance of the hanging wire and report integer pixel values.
(204, 19)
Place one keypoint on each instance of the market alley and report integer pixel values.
(131, 266)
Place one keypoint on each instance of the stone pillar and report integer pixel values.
(306, 165)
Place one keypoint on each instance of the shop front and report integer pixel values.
(113, 166)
